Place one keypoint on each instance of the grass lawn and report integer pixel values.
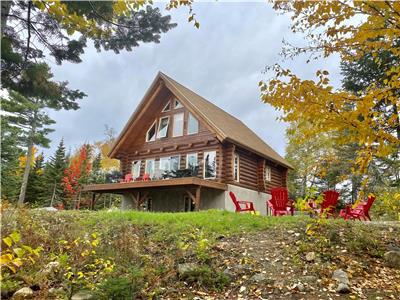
(209, 254)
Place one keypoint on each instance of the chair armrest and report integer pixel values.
(269, 202)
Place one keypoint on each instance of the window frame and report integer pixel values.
(187, 159)
(179, 162)
(188, 124)
(173, 125)
(165, 107)
(177, 104)
(204, 164)
(155, 133)
(167, 158)
(267, 178)
(132, 170)
(236, 167)
(159, 125)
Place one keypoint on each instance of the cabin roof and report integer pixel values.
(226, 126)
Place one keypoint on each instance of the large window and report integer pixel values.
(191, 161)
(210, 165)
(163, 127)
(236, 167)
(151, 133)
(170, 163)
(135, 169)
(178, 125)
(150, 167)
(267, 173)
(174, 163)
(193, 124)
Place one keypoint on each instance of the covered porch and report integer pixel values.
(163, 192)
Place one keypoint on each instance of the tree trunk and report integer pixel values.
(54, 194)
(5, 10)
(25, 178)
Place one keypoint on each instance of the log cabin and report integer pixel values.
(185, 153)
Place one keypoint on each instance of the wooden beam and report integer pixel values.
(198, 198)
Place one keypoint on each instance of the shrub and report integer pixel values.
(204, 276)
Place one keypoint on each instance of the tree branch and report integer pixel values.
(29, 32)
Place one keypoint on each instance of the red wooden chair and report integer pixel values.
(146, 177)
(361, 212)
(249, 206)
(328, 205)
(128, 178)
(280, 203)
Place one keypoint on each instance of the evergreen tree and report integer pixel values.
(54, 172)
(10, 180)
(36, 188)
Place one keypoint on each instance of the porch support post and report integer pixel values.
(128, 201)
(94, 200)
(198, 198)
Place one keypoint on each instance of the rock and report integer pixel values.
(298, 287)
(341, 276)
(185, 268)
(343, 288)
(310, 256)
(24, 293)
(259, 277)
(228, 273)
(56, 292)
(51, 267)
(83, 295)
(309, 279)
(392, 259)
(221, 246)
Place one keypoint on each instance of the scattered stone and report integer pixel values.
(310, 256)
(343, 288)
(392, 259)
(185, 268)
(83, 295)
(344, 284)
(298, 287)
(259, 277)
(228, 273)
(221, 246)
(242, 289)
(310, 279)
(24, 293)
(51, 267)
(56, 292)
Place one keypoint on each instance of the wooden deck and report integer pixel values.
(176, 182)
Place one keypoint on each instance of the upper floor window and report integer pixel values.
(210, 165)
(177, 104)
(167, 107)
(136, 169)
(174, 163)
(193, 124)
(163, 127)
(178, 125)
(267, 173)
(164, 163)
(151, 133)
(191, 161)
(236, 167)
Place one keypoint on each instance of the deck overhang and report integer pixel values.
(121, 188)
(139, 190)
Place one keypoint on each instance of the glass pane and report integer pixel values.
(151, 134)
(267, 173)
(150, 167)
(164, 163)
(236, 167)
(210, 166)
(193, 124)
(174, 163)
(163, 128)
(191, 161)
(177, 104)
(178, 125)
(136, 169)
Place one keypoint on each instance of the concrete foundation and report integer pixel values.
(177, 200)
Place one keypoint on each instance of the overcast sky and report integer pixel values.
(222, 61)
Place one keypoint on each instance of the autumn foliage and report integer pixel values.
(351, 30)
(77, 172)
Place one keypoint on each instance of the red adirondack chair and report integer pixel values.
(361, 212)
(280, 203)
(146, 177)
(249, 206)
(329, 203)
(128, 178)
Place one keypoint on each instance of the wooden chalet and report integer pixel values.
(193, 152)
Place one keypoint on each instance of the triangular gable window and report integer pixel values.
(177, 104)
(167, 107)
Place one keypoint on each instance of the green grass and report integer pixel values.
(210, 221)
